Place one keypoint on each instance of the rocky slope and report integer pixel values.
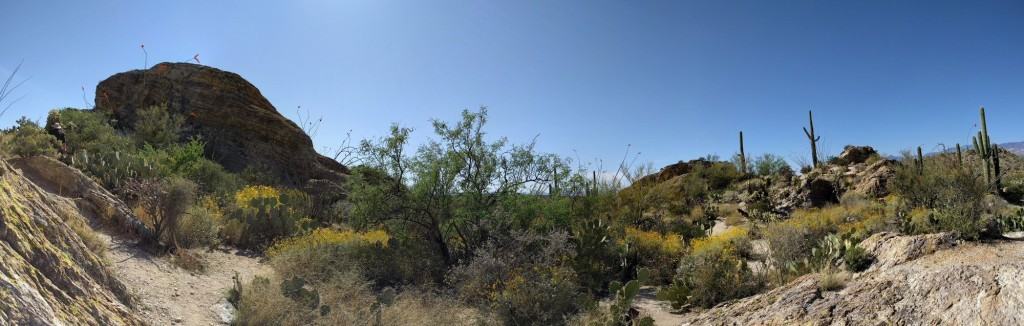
(164, 294)
(916, 280)
(242, 129)
(47, 274)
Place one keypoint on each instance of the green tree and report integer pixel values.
(450, 193)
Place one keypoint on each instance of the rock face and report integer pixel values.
(858, 170)
(47, 274)
(242, 129)
(91, 198)
(671, 171)
(916, 280)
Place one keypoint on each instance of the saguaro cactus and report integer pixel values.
(743, 156)
(959, 156)
(983, 145)
(814, 139)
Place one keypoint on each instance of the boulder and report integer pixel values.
(853, 172)
(241, 128)
(855, 154)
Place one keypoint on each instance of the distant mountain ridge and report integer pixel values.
(1014, 147)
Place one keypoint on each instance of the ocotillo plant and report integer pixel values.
(743, 156)
(983, 145)
(814, 139)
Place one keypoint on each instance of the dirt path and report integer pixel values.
(170, 295)
(660, 311)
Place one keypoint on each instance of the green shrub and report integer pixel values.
(857, 259)
(31, 140)
(157, 126)
(953, 196)
(711, 277)
(770, 164)
(198, 227)
(526, 279)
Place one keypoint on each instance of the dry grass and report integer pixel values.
(348, 300)
(189, 260)
(831, 280)
(89, 237)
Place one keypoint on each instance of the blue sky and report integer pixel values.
(675, 79)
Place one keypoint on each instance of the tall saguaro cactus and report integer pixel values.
(983, 145)
(959, 156)
(989, 153)
(814, 139)
(743, 156)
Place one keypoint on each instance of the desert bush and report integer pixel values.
(770, 164)
(711, 276)
(713, 270)
(157, 126)
(526, 279)
(199, 226)
(857, 259)
(261, 214)
(346, 299)
(31, 140)
(832, 280)
(161, 203)
(953, 196)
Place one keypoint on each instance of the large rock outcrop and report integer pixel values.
(47, 274)
(916, 280)
(858, 170)
(242, 129)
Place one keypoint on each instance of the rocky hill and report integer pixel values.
(916, 280)
(48, 276)
(242, 129)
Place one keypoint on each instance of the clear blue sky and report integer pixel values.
(676, 79)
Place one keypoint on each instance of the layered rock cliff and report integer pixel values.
(48, 276)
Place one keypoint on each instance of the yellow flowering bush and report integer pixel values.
(654, 250)
(735, 239)
(324, 237)
(261, 214)
(668, 244)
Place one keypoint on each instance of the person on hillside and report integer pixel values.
(58, 132)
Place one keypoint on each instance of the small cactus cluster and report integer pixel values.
(622, 308)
